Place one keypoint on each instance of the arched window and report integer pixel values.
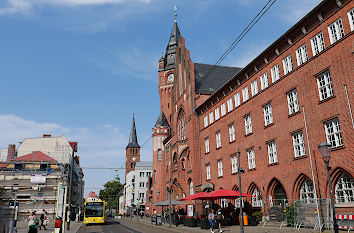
(183, 164)
(344, 189)
(307, 192)
(257, 198)
(181, 124)
(191, 188)
(159, 156)
(175, 158)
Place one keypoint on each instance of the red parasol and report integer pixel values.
(192, 197)
(222, 193)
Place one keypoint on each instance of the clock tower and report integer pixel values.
(132, 151)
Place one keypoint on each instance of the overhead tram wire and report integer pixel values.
(114, 168)
(242, 35)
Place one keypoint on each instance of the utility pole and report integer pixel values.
(172, 165)
(68, 213)
(240, 190)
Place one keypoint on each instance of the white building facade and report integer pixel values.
(136, 187)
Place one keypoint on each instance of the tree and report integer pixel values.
(111, 192)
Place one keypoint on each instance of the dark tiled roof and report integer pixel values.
(170, 56)
(210, 84)
(133, 139)
(162, 121)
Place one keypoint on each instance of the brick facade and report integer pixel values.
(284, 178)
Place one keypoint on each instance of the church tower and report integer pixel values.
(132, 151)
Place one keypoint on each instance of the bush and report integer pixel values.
(290, 215)
(258, 215)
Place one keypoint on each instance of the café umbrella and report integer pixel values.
(222, 193)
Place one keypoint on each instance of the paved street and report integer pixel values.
(127, 225)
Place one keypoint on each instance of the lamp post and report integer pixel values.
(240, 170)
(325, 150)
(13, 226)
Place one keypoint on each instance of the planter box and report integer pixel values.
(204, 224)
(190, 222)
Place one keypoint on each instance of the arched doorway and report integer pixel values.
(277, 201)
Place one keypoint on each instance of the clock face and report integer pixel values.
(170, 78)
(133, 159)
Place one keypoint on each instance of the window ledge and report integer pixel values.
(207, 153)
(248, 134)
(269, 125)
(220, 177)
(349, 204)
(300, 157)
(338, 148)
(327, 99)
(293, 114)
(218, 148)
(252, 169)
(273, 164)
(232, 141)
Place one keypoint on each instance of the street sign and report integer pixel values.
(11, 204)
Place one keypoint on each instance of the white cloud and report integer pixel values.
(25, 6)
(99, 147)
(129, 62)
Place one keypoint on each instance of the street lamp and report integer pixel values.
(325, 150)
(240, 170)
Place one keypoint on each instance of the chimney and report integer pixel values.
(47, 135)
(11, 152)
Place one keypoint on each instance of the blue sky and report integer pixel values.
(83, 67)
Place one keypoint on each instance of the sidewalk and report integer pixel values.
(74, 227)
(235, 228)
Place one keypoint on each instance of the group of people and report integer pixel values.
(33, 222)
(215, 219)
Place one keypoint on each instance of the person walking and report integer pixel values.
(32, 225)
(43, 218)
(219, 218)
(211, 218)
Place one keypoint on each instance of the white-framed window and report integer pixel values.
(217, 113)
(206, 140)
(268, 115)
(142, 174)
(207, 169)
(287, 64)
(299, 144)
(232, 132)
(325, 87)
(257, 198)
(272, 152)
(224, 203)
(251, 159)
(293, 102)
(206, 121)
(344, 189)
(245, 95)
(333, 133)
(233, 164)
(254, 87)
(230, 105)
(220, 172)
(211, 117)
(317, 43)
(159, 155)
(301, 55)
(351, 18)
(275, 73)
(141, 184)
(307, 192)
(191, 188)
(336, 31)
(141, 196)
(264, 80)
(237, 99)
(223, 109)
(218, 139)
(248, 124)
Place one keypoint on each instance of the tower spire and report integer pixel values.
(133, 139)
(175, 13)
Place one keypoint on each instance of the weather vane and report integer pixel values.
(175, 14)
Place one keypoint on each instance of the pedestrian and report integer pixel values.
(32, 226)
(176, 217)
(219, 218)
(43, 221)
(211, 218)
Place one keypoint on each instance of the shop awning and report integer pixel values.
(193, 197)
(222, 193)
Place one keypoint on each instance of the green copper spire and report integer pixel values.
(175, 14)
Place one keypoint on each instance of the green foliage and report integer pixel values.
(290, 215)
(258, 215)
(111, 192)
